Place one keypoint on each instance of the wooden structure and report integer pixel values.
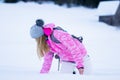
(113, 20)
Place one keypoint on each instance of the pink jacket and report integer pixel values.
(70, 49)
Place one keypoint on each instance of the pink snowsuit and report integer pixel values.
(70, 49)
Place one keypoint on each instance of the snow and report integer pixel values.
(18, 58)
(108, 7)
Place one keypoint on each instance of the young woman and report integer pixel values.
(52, 41)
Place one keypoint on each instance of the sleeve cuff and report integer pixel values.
(80, 68)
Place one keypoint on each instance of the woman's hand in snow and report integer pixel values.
(81, 70)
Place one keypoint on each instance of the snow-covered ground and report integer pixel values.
(18, 58)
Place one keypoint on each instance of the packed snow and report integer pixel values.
(18, 57)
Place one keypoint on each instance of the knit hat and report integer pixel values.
(36, 30)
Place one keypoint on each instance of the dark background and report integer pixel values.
(69, 3)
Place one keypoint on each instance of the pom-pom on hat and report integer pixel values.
(36, 30)
(39, 22)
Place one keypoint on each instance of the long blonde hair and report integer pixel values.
(42, 46)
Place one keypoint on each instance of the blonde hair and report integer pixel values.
(42, 47)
